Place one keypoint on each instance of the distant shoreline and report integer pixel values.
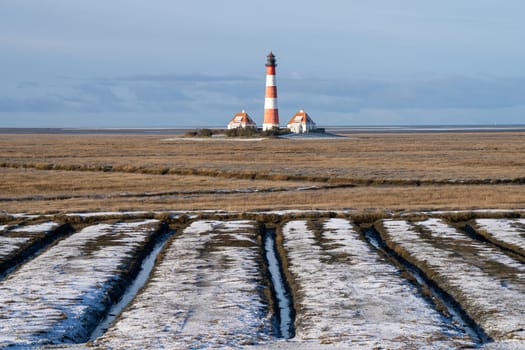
(330, 129)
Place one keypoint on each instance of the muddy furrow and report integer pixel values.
(207, 291)
(346, 295)
(61, 295)
(487, 283)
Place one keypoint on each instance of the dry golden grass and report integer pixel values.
(24, 182)
(384, 198)
(377, 157)
(83, 165)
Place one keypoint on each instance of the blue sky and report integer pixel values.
(160, 63)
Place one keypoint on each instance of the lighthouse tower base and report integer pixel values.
(267, 126)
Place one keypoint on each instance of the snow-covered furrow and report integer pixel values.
(42, 227)
(59, 296)
(488, 284)
(351, 297)
(13, 240)
(17, 242)
(505, 232)
(148, 263)
(206, 292)
(10, 245)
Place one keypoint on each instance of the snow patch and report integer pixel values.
(505, 230)
(57, 296)
(15, 240)
(205, 293)
(23, 216)
(487, 283)
(9, 245)
(43, 227)
(350, 296)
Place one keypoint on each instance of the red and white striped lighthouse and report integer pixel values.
(271, 112)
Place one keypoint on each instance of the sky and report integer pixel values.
(173, 63)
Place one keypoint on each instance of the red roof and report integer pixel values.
(242, 117)
(300, 117)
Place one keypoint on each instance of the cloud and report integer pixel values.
(27, 84)
(34, 105)
(452, 92)
(200, 78)
(212, 99)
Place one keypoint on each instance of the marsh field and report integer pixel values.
(367, 241)
(398, 172)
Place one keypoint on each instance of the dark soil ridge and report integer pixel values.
(270, 217)
(33, 248)
(255, 175)
(357, 217)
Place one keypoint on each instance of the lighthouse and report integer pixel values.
(271, 112)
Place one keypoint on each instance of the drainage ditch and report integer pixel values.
(284, 314)
(456, 315)
(131, 291)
